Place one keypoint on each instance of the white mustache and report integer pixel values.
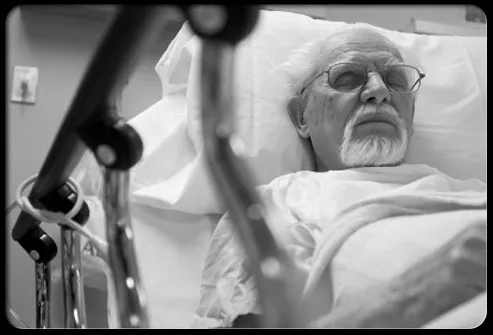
(368, 109)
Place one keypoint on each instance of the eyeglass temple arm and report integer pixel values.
(311, 81)
(421, 76)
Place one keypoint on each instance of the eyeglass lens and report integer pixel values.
(350, 77)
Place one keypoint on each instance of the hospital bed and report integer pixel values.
(187, 159)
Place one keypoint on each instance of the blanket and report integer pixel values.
(345, 230)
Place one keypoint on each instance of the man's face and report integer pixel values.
(368, 127)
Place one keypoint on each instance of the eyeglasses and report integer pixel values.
(351, 77)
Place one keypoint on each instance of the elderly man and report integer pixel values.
(356, 105)
(353, 99)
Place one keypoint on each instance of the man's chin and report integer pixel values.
(374, 151)
(382, 134)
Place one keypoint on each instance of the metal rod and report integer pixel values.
(73, 285)
(129, 291)
(270, 264)
(43, 294)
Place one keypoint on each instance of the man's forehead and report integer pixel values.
(379, 58)
(361, 43)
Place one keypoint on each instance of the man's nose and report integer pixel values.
(375, 90)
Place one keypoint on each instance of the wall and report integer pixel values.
(393, 17)
(60, 43)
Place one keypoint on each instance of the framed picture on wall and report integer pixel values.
(475, 14)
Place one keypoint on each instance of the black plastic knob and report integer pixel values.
(222, 23)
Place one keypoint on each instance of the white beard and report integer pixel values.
(374, 150)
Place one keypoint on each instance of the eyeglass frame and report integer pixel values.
(421, 76)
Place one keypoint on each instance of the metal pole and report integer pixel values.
(73, 285)
(43, 286)
(129, 292)
(270, 263)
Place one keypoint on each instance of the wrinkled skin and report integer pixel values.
(321, 113)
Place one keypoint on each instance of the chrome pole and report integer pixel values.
(43, 285)
(271, 266)
(73, 285)
(129, 291)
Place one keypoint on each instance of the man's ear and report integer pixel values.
(296, 110)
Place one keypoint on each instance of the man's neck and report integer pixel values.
(331, 165)
(336, 165)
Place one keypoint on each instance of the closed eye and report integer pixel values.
(397, 79)
(348, 80)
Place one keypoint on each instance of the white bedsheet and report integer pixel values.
(423, 210)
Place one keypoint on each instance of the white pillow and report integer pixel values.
(450, 120)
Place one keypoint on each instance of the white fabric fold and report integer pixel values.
(324, 213)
